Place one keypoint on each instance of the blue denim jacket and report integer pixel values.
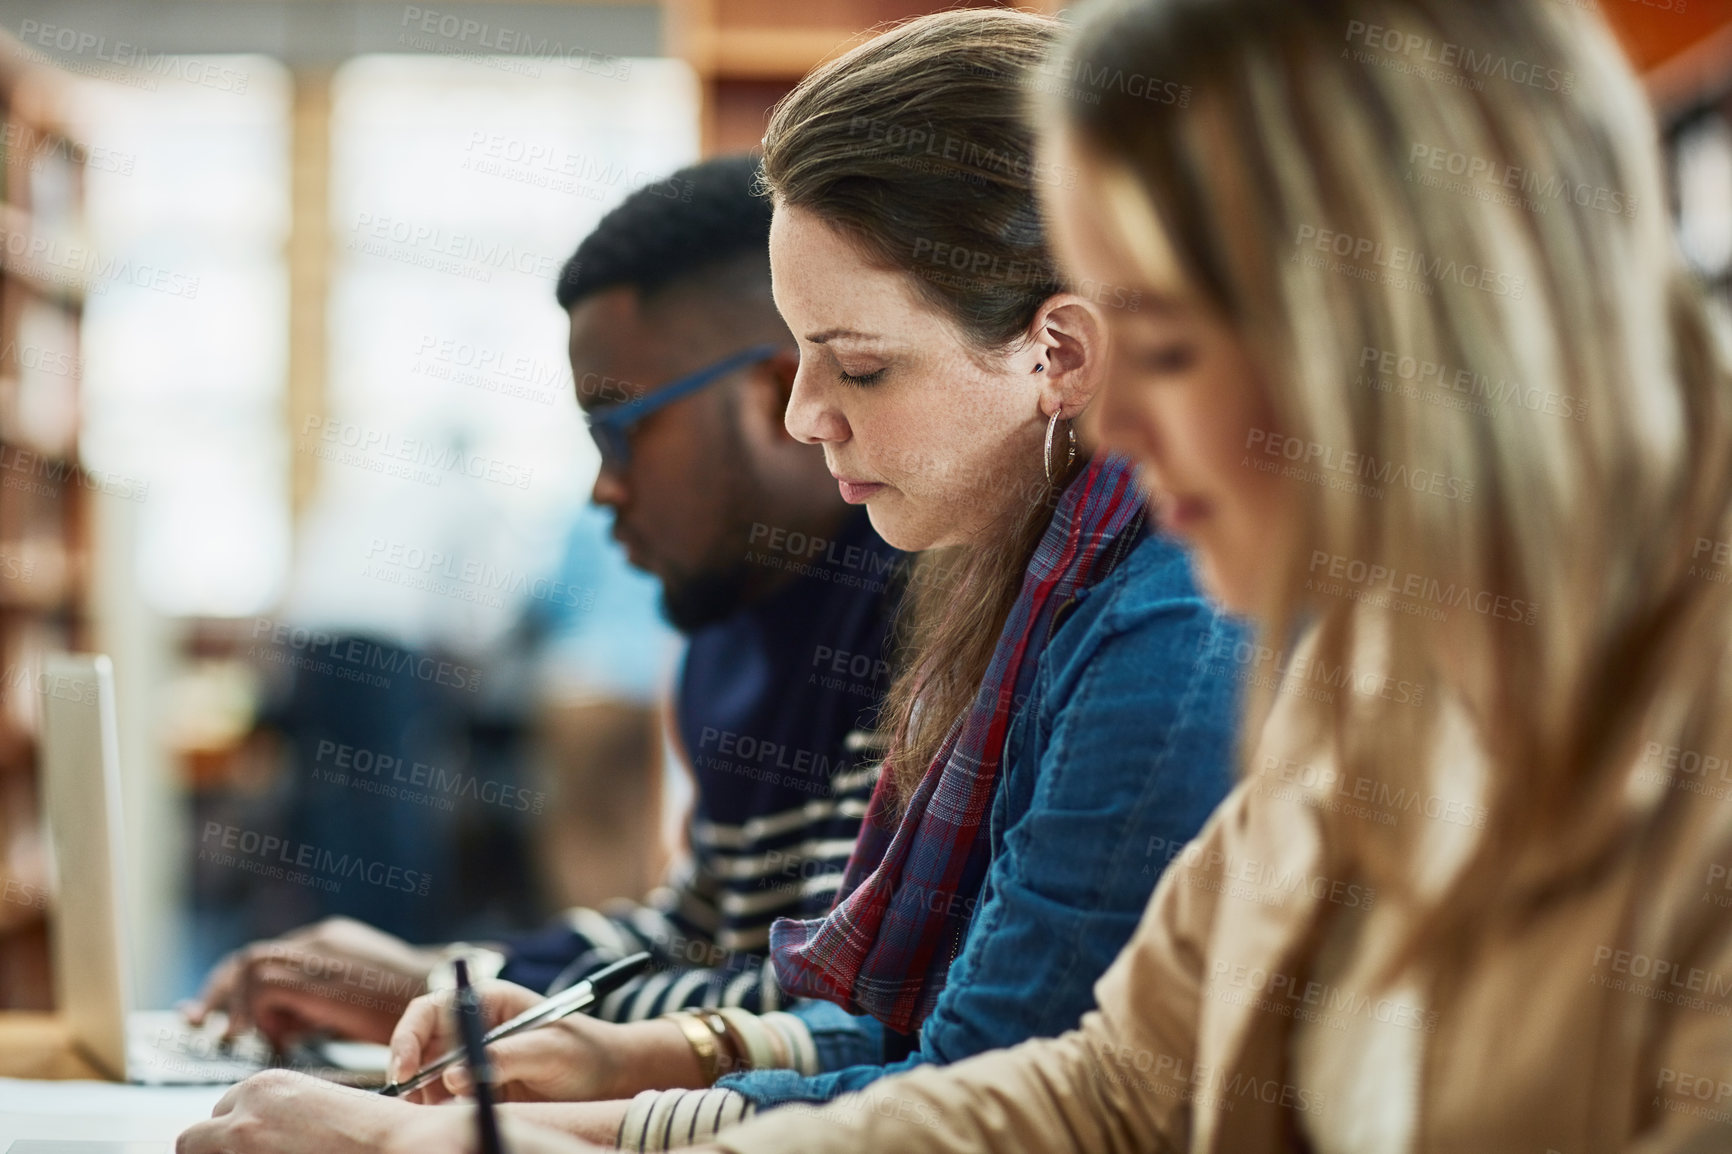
(1123, 751)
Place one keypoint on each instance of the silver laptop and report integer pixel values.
(92, 966)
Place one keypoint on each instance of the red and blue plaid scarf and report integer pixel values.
(912, 884)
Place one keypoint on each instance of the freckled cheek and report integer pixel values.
(893, 460)
(930, 466)
(926, 449)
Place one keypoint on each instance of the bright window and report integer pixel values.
(452, 458)
(186, 327)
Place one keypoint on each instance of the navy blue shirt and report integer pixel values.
(775, 709)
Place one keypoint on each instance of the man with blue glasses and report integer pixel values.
(683, 368)
(611, 424)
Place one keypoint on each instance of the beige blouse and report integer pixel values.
(1367, 1063)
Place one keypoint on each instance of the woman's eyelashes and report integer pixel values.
(860, 379)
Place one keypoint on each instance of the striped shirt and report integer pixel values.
(775, 710)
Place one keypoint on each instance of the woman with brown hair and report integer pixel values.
(1064, 715)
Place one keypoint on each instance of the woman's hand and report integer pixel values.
(579, 1059)
(282, 1112)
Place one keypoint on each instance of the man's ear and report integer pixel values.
(769, 389)
(1071, 338)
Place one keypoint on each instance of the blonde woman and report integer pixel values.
(1415, 254)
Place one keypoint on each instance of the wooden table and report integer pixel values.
(36, 1046)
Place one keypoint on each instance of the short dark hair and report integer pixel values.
(703, 216)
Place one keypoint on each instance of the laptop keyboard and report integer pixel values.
(162, 1049)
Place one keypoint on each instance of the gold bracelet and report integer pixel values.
(731, 1058)
(703, 1043)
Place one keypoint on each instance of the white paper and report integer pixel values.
(101, 1111)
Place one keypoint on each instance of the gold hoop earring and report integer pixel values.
(1070, 449)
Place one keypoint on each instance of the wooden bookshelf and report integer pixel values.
(44, 492)
(749, 53)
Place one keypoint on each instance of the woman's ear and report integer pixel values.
(1069, 338)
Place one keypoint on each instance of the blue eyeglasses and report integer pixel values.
(611, 424)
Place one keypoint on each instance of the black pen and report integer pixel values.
(480, 1065)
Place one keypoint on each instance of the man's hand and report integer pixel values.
(280, 1112)
(578, 1059)
(338, 977)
